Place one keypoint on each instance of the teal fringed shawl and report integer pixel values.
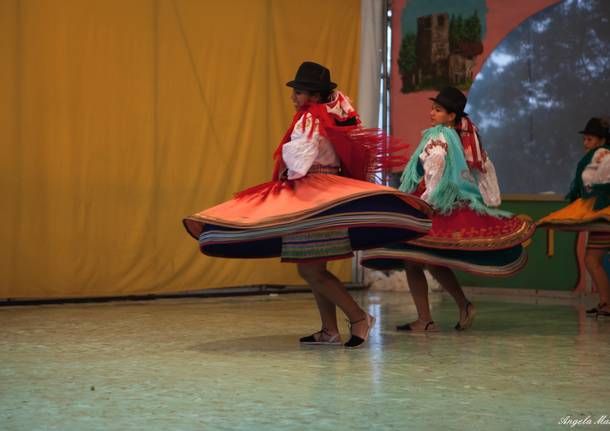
(601, 192)
(457, 185)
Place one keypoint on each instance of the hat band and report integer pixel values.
(311, 85)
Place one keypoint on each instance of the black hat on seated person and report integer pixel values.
(452, 99)
(312, 77)
(596, 127)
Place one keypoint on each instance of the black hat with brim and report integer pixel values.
(312, 77)
(596, 127)
(452, 99)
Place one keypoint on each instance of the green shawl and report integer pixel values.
(457, 185)
(601, 192)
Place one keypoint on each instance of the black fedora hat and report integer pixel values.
(312, 77)
(596, 127)
(452, 99)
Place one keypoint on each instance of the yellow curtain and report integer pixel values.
(124, 116)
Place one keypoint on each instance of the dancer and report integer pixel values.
(450, 171)
(318, 206)
(589, 210)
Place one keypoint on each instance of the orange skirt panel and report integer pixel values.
(578, 216)
(290, 201)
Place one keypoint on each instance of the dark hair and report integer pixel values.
(458, 118)
(324, 95)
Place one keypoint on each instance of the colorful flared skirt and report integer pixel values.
(465, 240)
(578, 216)
(306, 219)
(493, 263)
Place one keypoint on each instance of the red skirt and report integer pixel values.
(465, 229)
(480, 244)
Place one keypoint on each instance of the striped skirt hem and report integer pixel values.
(599, 240)
(316, 246)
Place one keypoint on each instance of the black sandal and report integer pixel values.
(603, 313)
(427, 328)
(356, 341)
(333, 340)
(595, 310)
(471, 311)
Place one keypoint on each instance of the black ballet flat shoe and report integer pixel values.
(430, 327)
(355, 341)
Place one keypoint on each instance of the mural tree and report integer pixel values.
(407, 61)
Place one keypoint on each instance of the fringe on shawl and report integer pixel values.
(448, 194)
(363, 152)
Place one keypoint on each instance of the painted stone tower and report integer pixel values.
(433, 44)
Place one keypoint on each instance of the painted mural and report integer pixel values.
(442, 51)
(436, 43)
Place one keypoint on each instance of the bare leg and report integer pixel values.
(418, 286)
(330, 292)
(593, 262)
(328, 313)
(446, 277)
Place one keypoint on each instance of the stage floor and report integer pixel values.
(235, 364)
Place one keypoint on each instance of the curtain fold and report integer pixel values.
(124, 117)
(371, 58)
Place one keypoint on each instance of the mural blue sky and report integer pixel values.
(538, 89)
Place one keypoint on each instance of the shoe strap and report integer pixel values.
(350, 324)
(331, 338)
(357, 321)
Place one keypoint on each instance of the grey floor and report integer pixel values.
(235, 364)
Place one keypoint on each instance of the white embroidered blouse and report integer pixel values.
(433, 161)
(598, 171)
(302, 151)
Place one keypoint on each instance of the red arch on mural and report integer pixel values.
(409, 112)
